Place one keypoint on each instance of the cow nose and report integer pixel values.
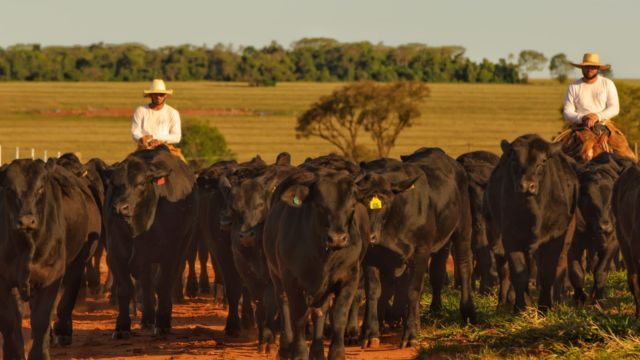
(27, 222)
(123, 209)
(606, 227)
(373, 238)
(529, 187)
(338, 239)
(247, 237)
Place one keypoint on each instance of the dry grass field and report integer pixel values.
(93, 118)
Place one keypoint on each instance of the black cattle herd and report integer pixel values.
(304, 246)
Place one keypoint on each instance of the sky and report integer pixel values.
(489, 29)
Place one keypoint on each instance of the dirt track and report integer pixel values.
(197, 334)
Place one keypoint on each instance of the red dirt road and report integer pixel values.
(197, 334)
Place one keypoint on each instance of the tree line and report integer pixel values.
(309, 59)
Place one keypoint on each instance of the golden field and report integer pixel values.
(93, 119)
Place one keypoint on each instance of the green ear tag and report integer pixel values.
(375, 203)
(297, 201)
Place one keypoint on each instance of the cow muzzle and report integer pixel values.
(529, 187)
(123, 209)
(374, 237)
(337, 240)
(27, 223)
(247, 238)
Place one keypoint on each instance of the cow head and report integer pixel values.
(134, 189)
(331, 195)
(247, 200)
(377, 194)
(527, 158)
(24, 188)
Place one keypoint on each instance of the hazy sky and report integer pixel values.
(486, 28)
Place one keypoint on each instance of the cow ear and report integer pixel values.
(283, 159)
(157, 173)
(224, 185)
(295, 195)
(506, 147)
(404, 185)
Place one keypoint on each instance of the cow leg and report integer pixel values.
(576, 269)
(398, 310)
(286, 335)
(437, 269)
(93, 270)
(248, 319)
(192, 279)
(418, 271)
(218, 282)
(232, 286)
(124, 290)
(519, 276)
(41, 307)
(504, 285)
(267, 306)
(632, 268)
(178, 288)
(145, 281)
(464, 262)
(318, 316)
(370, 335)
(548, 262)
(352, 331)
(340, 313)
(605, 257)
(203, 256)
(11, 325)
(484, 265)
(298, 308)
(164, 289)
(72, 281)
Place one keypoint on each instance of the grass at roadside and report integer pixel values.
(567, 331)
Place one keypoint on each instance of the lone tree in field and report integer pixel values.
(382, 111)
(560, 67)
(531, 60)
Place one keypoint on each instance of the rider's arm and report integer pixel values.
(136, 125)
(613, 106)
(569, 110)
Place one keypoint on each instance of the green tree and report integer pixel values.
(394, 108)
(203, 145)
(629, 118)
(531, 60)
(560, 67)
(381, 110)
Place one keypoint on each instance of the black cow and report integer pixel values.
(625, 200)
(530, 204)
(479, 165)
(418, 207)
(595, 230)
(249, 200)
(313, 239)
(149, 213)
(218, 219)
(47, 218)
(90, 173)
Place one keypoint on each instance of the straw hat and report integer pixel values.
(592, 59)
(157, 87)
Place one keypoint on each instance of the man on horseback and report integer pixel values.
(590, 104)
(157, 123)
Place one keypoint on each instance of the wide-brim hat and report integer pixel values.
(157, 87)
(591, 59)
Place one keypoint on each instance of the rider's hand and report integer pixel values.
(589, 120)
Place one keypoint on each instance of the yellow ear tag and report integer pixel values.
(375, 203)
(296, 201)
(85, 173)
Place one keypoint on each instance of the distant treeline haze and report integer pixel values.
(317, 59)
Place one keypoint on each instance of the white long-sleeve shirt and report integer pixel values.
(600, 98)
(163, 124)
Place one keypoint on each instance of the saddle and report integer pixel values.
(583, 144)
